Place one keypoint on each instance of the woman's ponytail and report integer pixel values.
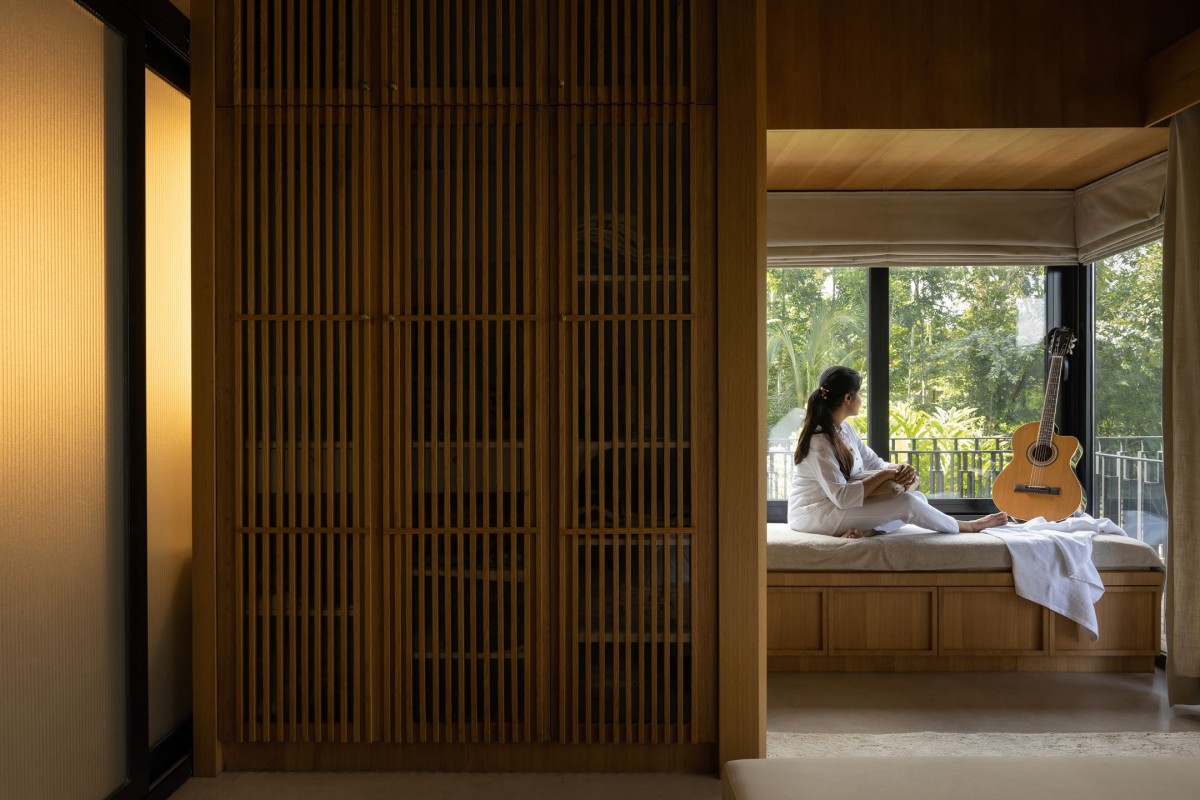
(832, 387)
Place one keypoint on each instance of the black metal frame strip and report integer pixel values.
(879, 332)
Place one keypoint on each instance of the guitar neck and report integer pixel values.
(1050, 405)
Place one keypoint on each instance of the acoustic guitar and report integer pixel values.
(1040, 480)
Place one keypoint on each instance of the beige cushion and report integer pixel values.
(959, 778)
(913, 549)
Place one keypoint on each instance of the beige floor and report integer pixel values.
(967, 703)
(832, 703)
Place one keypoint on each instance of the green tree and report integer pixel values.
(1129, 335)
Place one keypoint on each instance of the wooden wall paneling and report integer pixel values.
(1171, 79)
(940, 64)
(302, 364)
(612, 52)
(464, 52)
(464, 286)
(629, 374)
(287, 52)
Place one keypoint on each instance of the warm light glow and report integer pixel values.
(168, 403)
(62, 517)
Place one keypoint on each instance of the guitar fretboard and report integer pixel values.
(1050, 404)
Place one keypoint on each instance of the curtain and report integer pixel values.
(1106, 217)
(1181, 414)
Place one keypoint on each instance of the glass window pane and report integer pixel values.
(816, 318)
(1128, 407)
(168, 405)
(62, 406)
(967, 369)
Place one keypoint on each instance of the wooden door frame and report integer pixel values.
(741, 363)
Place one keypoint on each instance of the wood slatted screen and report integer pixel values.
(303, 355)
(464, 423)
(464, 52)
(297, 52)
(635, 51)
(635, 255)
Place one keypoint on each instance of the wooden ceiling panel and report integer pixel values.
(992, 158)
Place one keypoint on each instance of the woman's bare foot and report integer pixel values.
(855, 533)
(976, 525)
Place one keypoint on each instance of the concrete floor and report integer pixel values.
(1000, 702)
(800, 703)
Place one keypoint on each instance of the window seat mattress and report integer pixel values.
(912, 549)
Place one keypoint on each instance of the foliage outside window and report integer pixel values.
(966, 370)
(1128, 406)
(815, 318)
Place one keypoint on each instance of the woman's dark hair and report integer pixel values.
(832, 387)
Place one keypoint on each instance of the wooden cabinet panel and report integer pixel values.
(795, 621)
(301, 203)
(1128, 620)
(459, 52)
(393, 362)
(987, 621)
(465, 289)
(882, 621)
(628, 613)
(634, 277)
(617, 51)
(461, 639)
(296, 52)
(301, 634)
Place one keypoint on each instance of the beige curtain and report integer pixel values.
(1181, 414)
(1109, 216)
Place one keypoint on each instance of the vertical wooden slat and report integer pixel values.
(307, 640)
(652, 48)
(241, 614)
(448, 654)
(423, 635)
(252, 615)
(582, 26)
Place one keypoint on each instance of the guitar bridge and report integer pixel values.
(1029, 488)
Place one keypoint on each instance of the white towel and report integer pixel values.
(1052, 565)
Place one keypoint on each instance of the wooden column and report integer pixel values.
(206, 747)
(741, 378)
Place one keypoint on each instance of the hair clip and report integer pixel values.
(824, 392)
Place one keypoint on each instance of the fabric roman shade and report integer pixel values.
(961, 227)
(1121, 211)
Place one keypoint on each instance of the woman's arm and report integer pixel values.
(903, 474)
(824, 467)
(889, 472)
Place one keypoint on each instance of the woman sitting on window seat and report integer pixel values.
(830, 491)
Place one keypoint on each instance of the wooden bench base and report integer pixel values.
(952, 622)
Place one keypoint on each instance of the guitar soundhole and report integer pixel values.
(1042, 454)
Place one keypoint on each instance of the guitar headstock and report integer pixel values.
(1060, 341)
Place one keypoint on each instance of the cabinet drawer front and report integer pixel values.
(1128, 622)
(795, 621)
(882, 621)
(990, 621)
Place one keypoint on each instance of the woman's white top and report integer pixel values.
(820, 493)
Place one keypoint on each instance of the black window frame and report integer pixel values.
(1070, 301)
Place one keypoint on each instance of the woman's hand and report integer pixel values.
(906, 476)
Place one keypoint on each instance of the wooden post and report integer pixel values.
(741, 378)
(206, 748)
